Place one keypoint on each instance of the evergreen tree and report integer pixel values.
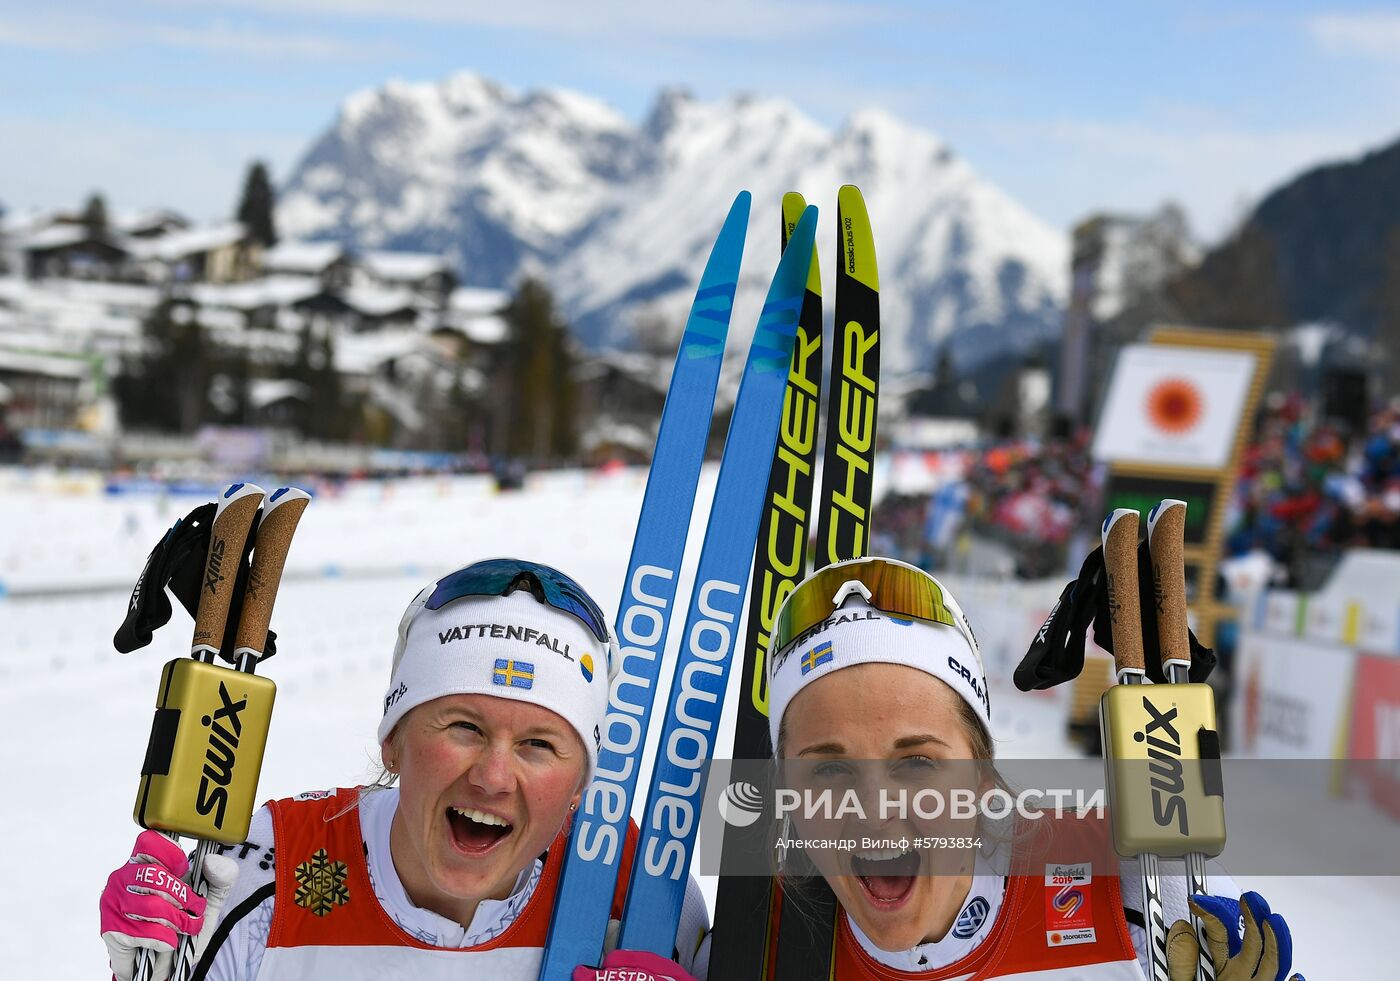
(326, 415)
(95, 215)
(452, 434)
(255, 208)
(241, 375)
(329, 394)
(301, 371)
(543, 423)
(565, 421)
(165, 387)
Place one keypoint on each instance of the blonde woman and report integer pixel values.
(447, 867)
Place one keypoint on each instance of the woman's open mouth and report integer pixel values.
(886, 875)
(476, 832)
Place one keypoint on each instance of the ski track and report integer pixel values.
(76, 714)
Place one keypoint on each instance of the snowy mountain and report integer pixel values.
(618, 217)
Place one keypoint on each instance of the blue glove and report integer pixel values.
(1246, 940)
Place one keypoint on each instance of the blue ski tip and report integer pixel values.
(708, 323)
(777, 325)
(233, 489)
(738, 212)
(801, 233)
(278, 493)
(791, 278)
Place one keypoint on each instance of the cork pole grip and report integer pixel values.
(227, 535)
(1166, 535)
(275, 532)
(1120, 545)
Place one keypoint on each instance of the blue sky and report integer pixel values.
(1070, 107)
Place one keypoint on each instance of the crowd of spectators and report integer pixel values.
(1031, 489)
(1026, 495)
(1309, 488)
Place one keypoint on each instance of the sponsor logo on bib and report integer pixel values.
(1069, 916)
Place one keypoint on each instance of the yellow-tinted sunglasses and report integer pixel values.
(890, 586)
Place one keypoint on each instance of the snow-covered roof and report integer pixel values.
(362, 353)
(477, 299)
(378, 301)
(269, 291)
(55, 237)
(404, 267)
(14, 290)
(43, 364)
(130, 220)
(69, 329)
(85, 299)
(302, 257)
(125, 295)
(72, 315)
(217, 318)
(645, 369)
(24, 222)
(478, 329)
(264, 391)
(178, 245)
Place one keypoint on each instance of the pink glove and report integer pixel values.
(633, 965)
(147, 903)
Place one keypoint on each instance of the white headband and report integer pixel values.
(857, 633)
(509, 646)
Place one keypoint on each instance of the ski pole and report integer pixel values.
(279, 522)
(177, 753)
(1120, 547)
(1166, 536)
(274, 537)
(1163, 799)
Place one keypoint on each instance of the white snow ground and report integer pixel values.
(74, 714)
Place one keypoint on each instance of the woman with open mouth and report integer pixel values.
(876, 687)
(446, 867)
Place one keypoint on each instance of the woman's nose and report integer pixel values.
(493, 771)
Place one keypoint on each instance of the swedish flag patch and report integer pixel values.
(816, 657)
(511, 673)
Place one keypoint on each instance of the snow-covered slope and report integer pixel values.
(618, 217)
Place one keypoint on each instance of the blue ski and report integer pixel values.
(668, 826)
(589, 874)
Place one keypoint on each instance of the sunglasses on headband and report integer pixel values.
(499, 577)
(890, 586)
